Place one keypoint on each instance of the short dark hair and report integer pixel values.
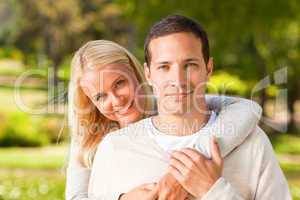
(175, 24)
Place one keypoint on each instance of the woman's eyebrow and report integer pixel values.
(117, 79)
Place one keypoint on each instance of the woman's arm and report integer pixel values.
(77, 178)
(236, 119)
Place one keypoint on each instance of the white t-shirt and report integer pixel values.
(199, 140)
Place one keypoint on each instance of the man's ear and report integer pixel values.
(210, 67)
(147, 73)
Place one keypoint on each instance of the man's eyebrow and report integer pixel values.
(192, 59)
(185, 60)
(162, 62)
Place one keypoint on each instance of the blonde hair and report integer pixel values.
(88, 125)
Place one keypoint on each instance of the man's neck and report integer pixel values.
(183, 124)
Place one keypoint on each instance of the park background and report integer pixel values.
(255, 45)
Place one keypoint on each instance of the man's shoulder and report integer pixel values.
(258, 142)
(259, 137)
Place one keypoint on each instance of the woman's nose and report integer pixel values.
(117, 100)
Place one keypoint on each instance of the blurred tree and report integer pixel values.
(55, 29)
(250, 38)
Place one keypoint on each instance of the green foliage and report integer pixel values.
(54, 127)
(286, 143)
(224, 83)
(11, 53)
(64, 71)
(20, 130)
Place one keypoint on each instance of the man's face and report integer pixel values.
(178, 72)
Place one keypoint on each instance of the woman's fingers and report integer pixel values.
(153, 194)
(216, 153)
(194, 155)
(176, 173)
(183, 160)
(149, 186)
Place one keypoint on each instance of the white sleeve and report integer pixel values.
(237, 117)
(98, 188)
(222, 189)
(77, 178)
(271, 181)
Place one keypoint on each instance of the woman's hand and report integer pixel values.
(194, 172)
(143, 192)
(170, 189)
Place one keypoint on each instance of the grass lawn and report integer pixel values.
(38, 173)
(31, 184)
(32, 173)
(53, 157)
(11, 67)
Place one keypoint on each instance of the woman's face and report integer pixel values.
(114, 90)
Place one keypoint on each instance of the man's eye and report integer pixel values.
(191, 65)
(162, 67)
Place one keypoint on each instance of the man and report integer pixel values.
(178, 67)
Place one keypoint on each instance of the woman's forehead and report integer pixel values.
(115, 68)
(107, 73)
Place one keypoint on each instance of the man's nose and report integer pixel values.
(178, 77)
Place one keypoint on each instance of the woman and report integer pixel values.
(105, 94)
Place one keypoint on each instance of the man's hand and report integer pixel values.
(194, 172)
(170, 189)
(144, 192)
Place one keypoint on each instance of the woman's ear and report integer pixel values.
(210, 67)
(147, 73)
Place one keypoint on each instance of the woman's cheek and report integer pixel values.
(104, 108)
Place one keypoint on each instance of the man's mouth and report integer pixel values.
(182, 94)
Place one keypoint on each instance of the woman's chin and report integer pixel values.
(125, 120)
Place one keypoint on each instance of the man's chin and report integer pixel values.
(176, 109)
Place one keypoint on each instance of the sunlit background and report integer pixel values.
(256, 50)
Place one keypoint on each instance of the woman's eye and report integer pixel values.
(120, 82)
(99, 97)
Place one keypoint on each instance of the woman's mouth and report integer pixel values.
(126, 109)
